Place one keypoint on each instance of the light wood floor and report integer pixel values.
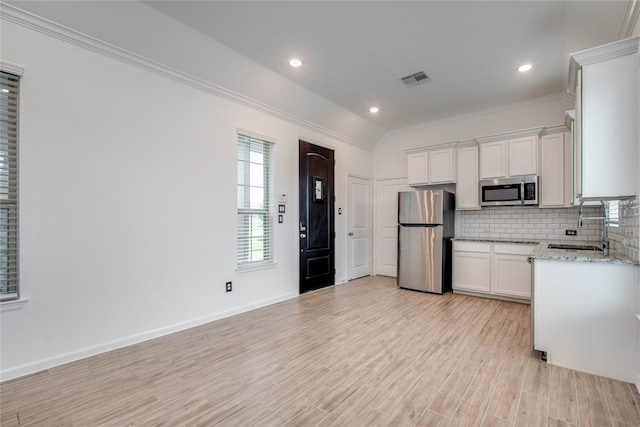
(360, 354)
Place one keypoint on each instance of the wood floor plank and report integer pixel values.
(471, 410)
(358, 354)
(536, 379)
(312, 416)
(504, 402)
(391, 397)
(493, 421)
(589, 386)
(555, 422)
(562, 395)
(593, 412)
(622, 404)
(532, 411)
(446, 402)
(432, 419)
(487, 377)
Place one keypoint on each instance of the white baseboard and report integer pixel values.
(50, 362)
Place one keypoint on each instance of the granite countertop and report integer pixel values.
(543, 252)
(521, 242)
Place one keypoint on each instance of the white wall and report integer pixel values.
(389, 159)
(127, 204)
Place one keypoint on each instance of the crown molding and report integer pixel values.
(550, 130)
(598, 54)
(50, 28)
(471, 115)
(444, 145)
(510, 135)
(630, 19)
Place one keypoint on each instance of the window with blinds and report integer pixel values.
(255, 202)
(9, 96)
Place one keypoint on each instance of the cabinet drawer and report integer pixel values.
(472, 247)
(512, 249)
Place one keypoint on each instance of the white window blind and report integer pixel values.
(255, 202)
(9, 96)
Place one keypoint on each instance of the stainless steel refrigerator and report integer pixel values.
(425, 229)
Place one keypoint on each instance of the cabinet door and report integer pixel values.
(418, 169)
(609, 136)
(523, 156)
(584, 317)
(576, 130)
(512, 275)
(552, 170)
(471, 271)
(467, 193)
(441, 166)
(493, 159)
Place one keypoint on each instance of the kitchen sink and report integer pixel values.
(573, 247)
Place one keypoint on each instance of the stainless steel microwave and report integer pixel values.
(516, 191)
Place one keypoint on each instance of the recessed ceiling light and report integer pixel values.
(374, 109)
(524, 68)
(295, 63)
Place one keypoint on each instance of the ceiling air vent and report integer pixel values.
(415, 78)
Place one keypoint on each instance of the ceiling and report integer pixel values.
(355, 52)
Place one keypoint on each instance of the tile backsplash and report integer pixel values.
(529, 224)
(624, 237)
(534, 224)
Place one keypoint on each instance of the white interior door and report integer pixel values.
(359, 227)
(386, 225)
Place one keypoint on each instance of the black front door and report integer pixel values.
(316, 227)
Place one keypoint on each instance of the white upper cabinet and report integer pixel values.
(523, 156)
(467, 194)
(418, 168)
(556, 176)
(436, 166)
(512, 154)
(493, 159)
(441, 166)
(605, 81)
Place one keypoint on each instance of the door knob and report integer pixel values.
(350, 233)
(303, 236)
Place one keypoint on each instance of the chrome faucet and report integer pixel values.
(605, 225)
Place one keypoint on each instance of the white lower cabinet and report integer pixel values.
(472, 266)
(512, 271)
(584, 317)
(498, 270)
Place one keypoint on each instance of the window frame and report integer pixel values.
(10, 277)
(245, 213)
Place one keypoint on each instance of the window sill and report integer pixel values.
(251, 268)
(13, 305)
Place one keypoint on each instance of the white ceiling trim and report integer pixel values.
(630, 19)
(478, 113)
(69, 35)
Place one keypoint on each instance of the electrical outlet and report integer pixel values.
(571, 232)
(228, 286)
